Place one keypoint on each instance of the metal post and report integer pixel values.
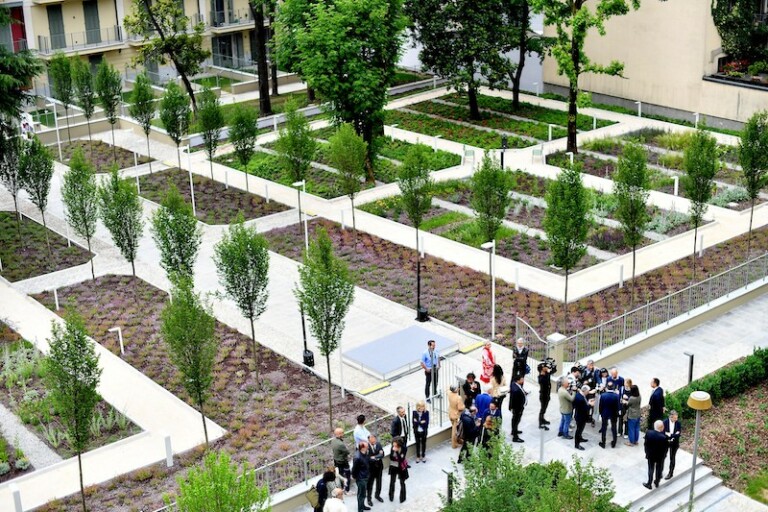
(550, 131)
(135, 159)
(69, 241)
(16, 498)
(677, 184)
(639, 108)
(624, 332)
(168, 451)
(421, 246)
(695, 453)
(56, 298)
(594, 123)
(696, 122)
(647, 315)
(119, 337)
(226, 178)
(701, 245)
(669, 308)
(621, 276)
(690, 366)
(138, 185)
(343, 224)
(600, 335)
(517, 278)
(266, 192)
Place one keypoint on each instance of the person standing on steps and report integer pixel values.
(672, 430)
(609, 412)
(376, 467)
(498, 387)
(517, 402)
(545, 391)
(430, 363)
(566, 400)
(655, 403)
(581, 409)
(361, 473)
(656, 446)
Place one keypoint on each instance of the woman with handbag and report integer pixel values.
(398, 469)
(420, 422)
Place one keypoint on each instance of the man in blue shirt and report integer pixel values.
(430, 362)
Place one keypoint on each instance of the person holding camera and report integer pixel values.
(545, 391)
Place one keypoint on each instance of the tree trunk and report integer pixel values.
(47, 238)
(693, 259)
(256, 352)
(18, 218)
(178, 155)
(749, 237)
(202, 416)
(310, 95)
(354, 226)
(523, 49)
(573, 92)
(93, 272)
(210, 159)
(273, 55)
(474, 109)
(149, 155)
(418, 274)
(90, 140)
(82, 487)
(66, 113)
(133, 267)
(114, 149)
(265, 107)
(366, 129)
(565, 306)
(330, 395)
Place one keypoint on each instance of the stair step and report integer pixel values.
(670, 492)
(704, 488)
(712, 501)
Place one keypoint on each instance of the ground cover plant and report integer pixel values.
(214, 203)
(103, 157)
(459, 295)
(529, 110)
(266, 422)
(403, 77)
(31, 259)
(23, 391)
(216, 81)
(421, 123)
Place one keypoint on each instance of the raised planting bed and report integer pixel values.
(403, 76)
(102, 157)
(23, 392)
(267, 419)
(421, 123)
(31, 258)
(43, 116)
(490, 120)
(214, 203)
(678, 141)
(321, 183)
(215, 81)
(529, 110)
(460, 296)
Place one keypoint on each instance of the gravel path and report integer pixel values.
(34, 448)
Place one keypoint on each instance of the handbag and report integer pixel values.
(404, 474)
(313, 497)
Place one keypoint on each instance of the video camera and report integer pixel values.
(549, 363)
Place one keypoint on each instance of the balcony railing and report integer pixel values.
(225, 19)
(75, 41)
(16, 46)
(194, 19)
(761, 18)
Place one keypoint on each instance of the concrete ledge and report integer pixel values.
(471, 348)
(372, 389)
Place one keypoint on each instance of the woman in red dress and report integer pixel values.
(488, 363)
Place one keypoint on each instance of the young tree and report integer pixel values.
(142, 108)
(175, 114)
(325, 292)
(84, 92)
(416, 186)
(188, 329)
(220, 486)
(346, 151)
(11, 150)
(258, 9)
(572, 22)
(566, 223)
(177, 235)
(491, 187)
(72, 376)
(166, 37)
(701, 163)
(109, 87)
(36, 171)
(296, 146)
(81, 199)
(211, 120)
(243, 130)
(353, 68)
(242, 262)
(60, 73)
(120, 209)
(753, 156)
(631, 189)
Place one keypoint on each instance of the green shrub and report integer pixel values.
(758, 67)
(730, 195)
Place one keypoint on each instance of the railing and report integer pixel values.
(231, 18)
(538, 349)
(761, 18)
(194, 20)
(79, 40)
(232, 62)
(19, 45)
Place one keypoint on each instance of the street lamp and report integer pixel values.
(690, 366)
(504, 142)
(309, 356)
(698, 401)
(492, 271)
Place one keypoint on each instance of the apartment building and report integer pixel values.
(94, 29)
(671, 50)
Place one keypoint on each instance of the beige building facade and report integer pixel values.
(669, 50)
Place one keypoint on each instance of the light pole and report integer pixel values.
(504, 142)
(698, 401)
(56, 123)
(309, 357)
(492, 272)
(690, 366)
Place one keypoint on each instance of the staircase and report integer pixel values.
(672, 495)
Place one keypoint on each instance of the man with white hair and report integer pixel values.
(656, 446)
(520, 362)
(336, 502)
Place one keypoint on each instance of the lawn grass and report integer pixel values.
(403, 77)
(222, 82)
(44, 116)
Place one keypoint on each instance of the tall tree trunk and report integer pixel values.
(178, 155)
(202, 416)
(693, 259)
(133, 267)
(474, 109)
(273, 55)
(265, 107)
(366, 129)
(18, 218)
(82, 487)
(749, 237)
(149, 155)
(573, 91)
(565, 306)
(523, 48)
(418, 274)
(47, 237)
(330, 395)
(256, 352)
(632, 300)
(93, 272)
(354, 225)
(310, 95)
(210, 159)
(114, 149)
(66, 114)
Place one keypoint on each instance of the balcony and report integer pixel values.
(47, 2)
(17, 46)
(140, 39)
(89, 41)
(223, 22)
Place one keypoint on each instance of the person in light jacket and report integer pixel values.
(455, 408)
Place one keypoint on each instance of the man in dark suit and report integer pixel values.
(469, 429)
(401, 428)
(655, 403)
(672, 430)
(656, 446)
(517, 405)
(376, 468)
(581, 410)
(609, 412)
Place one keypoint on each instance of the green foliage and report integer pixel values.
(243, 131)
(17, 70)
(142, 107)
(35, 174)
(295, 146)
(730, 195)
(491, 187)
(85, 89)
(177, 235)
(566, 221)
(741, 36)
(701, 163)
(175, 112)
(11, 151)
(60, 73)
(219, 486)
(753, 153)
(80, 195)
(347, 152)
(631, 179)
(120, 208)
(416, 184)
(109, 88)
(210, 119)
(188, 329)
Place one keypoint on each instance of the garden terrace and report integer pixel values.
(222, 82)
(527, 110)
(404, 76)
(214, 202)
(24, 393)
(266, 420)
(31, 259)
(103, 155)
(459, 295)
